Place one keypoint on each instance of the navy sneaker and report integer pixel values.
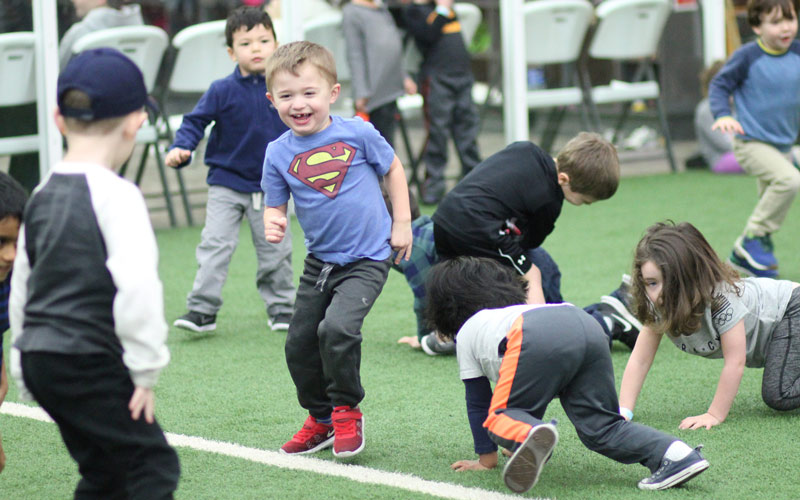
(672, 474)
(280, 323)
(197, 322)
(434, 346)
(624, 325)
(744, 267)
(523, 468)
(757, 251)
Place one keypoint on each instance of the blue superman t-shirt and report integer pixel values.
(334, 178)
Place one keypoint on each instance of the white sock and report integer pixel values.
(677, 451)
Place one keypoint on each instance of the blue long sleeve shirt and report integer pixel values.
(764, 85)
(244, 123)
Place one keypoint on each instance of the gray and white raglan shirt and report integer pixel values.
(85, 279)
(761, 303)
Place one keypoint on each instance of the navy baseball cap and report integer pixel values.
(111, 80)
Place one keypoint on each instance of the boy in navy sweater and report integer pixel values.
(244, 123)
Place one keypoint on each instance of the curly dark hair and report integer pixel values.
(690, 272)
(458, 288)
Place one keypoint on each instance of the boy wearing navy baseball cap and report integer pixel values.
(86, 306)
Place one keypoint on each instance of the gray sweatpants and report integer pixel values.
(218, 241)
(323, 345)
(562, 352)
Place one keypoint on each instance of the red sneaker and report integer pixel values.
(348, 424)
(312, 438)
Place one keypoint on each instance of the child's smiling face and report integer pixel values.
(303, 98)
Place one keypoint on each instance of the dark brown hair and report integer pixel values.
(690, 272)
(758, 8)
(248, 18)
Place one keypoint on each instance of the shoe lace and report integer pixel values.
(309, 429)
(344, 423)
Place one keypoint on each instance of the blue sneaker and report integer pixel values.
(672, 474)
(757, 251)
(745, 269)
(523, 468)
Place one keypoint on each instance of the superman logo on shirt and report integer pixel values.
(324, 168)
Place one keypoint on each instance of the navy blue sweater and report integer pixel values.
(244, 123)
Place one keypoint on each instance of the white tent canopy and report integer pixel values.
(515, 117)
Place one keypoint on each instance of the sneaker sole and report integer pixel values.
(677, 479)
(749, 272)
(623, 311)
(742, 254)
(279, 327)
(522, 470)
(351, 453)
(325, 444)
(426, 349)
(188, 325)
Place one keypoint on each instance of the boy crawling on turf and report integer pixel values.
(533, 354)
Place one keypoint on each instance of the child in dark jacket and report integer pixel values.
(244, 123)
(446, 84)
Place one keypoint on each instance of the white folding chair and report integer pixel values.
(629, 30)
(554, 34)
(17, 85)
(145, 46)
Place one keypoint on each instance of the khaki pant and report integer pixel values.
(778, 184)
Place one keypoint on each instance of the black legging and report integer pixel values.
(780, 387)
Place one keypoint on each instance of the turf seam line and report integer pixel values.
(357, 473)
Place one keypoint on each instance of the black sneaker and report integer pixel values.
(523, 468)
(624, 325)
(280, 323)
(197, 322)
(672, 474)
(434, 346)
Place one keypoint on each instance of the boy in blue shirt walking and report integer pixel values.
(763, 77)
(245, 122)
(332, 166)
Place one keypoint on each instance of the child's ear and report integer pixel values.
(133, 123)
(59, 119)
(335, 92)
(270, 98)
(232, 55)
(563, 179)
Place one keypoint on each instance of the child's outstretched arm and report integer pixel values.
(275, 223)
(734, 352)
(639, 363)
(397, 187)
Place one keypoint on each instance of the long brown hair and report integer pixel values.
(690, 271)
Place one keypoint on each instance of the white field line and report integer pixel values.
(357, 473)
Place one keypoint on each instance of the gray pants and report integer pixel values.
(562, 352)
(224, 213)
(780, 385)
(323, 345)
(449, 110)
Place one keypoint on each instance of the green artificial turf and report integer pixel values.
(232, 385)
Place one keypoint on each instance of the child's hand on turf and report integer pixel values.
(728, 124)
(706, 420)
(143, 402)
(177, 156)
(485, 461)
(275, 228)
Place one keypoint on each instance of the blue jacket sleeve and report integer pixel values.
(726, 81)
(479, 397)
(193, 127)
